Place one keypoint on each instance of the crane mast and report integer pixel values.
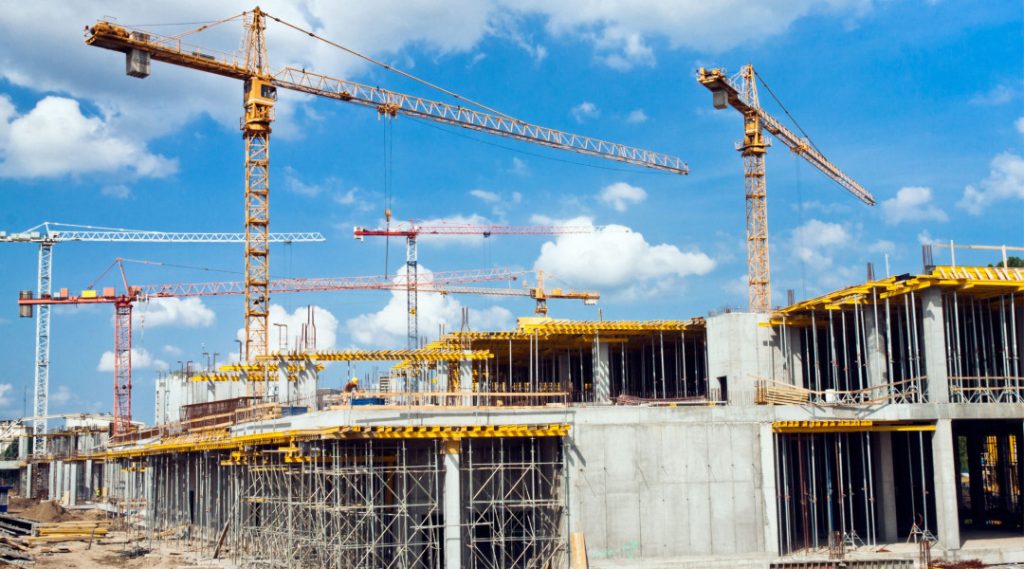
(740, 92)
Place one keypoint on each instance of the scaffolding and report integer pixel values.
(374, 501)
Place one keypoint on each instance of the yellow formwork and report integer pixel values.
(287, 439)
(848, 426)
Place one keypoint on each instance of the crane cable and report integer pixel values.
(388, 67)
(783, 107)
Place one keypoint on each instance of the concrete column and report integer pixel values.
(885, 487)
(770, 524)
(87, 481)
(874, 351)
(466, 380)
(602, 373)
(452, 507)
(944, 459)
(51, 490)
(22, 447)
(934, 344)
(27, 488)
(73, 469)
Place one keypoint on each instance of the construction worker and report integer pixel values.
(350, 389)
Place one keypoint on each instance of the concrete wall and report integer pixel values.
(659, 484)
(740, 350)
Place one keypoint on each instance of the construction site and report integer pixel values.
(876, 426)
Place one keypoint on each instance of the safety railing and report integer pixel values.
(448, 399)
(984, 389)
(770, 392)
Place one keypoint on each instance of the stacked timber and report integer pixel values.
(14, 552)
(775, 393)
(68, 531)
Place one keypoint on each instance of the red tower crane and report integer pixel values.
(412, 231)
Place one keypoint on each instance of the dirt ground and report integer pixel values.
(108, 551)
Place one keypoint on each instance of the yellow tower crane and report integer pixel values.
(260, 94)
(740, 92)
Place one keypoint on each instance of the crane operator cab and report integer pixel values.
(259, 97)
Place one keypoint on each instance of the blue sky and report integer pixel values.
(921, 102)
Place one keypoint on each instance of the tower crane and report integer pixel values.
(740, 92)
(48, 234)
(123, 309)
(412, 231)
(538, 293)
(260, 94)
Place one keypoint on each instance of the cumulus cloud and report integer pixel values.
(182, 312)
(615, 257)
(621, 195)
(455, 220)
(485, 196)
(55, 139)
(1004, 182)
(141, 359)
(912, 203)
(636, 116)
(5, 395)
(286, 329)
(388, 327)
(1019, 124)
(998, 95)
(62, 395)
(584, 111)
(817, 241)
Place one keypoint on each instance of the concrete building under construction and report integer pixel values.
(887, 413)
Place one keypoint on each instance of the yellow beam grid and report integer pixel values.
(982, 282)
(225, 441)
(565, 334)
(254, 372)
(849, 426)
(424, 355)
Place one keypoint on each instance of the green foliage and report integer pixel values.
(1011, 261)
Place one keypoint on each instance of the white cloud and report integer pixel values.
(912, 203)
(636, 116)
(55, 139)
(925, 238)
(615, 257)
(5, 397)
(173, 351)
(816, 242)
(141, 359)
(519, 167)
(485, 196)
(585, 110)
(623, 50)
(183, 312)
(62, 395)
(119, 191)
(388, 327)
(621, 195)
(998, 95)
(825, 208)
(1004, 182)
(293, 184)
(1019, 123)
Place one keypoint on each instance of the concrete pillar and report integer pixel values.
(73, 469)
(885, 487)
(466, 380)
(27, 487)
(22, 447)
(944, 460)
(452, 507)
(602, 372)
(87, 481)
(874, 351)
(51, 490)
(770, 524)
(934, 344)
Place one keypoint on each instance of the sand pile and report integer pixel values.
(46, 512)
